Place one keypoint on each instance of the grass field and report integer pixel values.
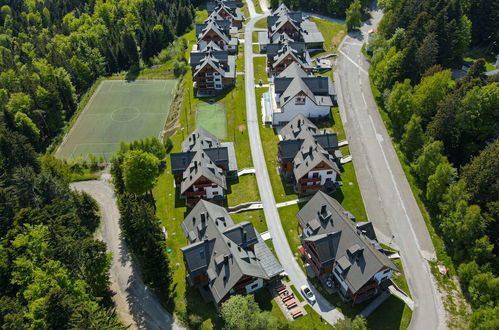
(118, 111)
(333, 34)
(212, 118)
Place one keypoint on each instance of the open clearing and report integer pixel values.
(212, 117)
(118, 111)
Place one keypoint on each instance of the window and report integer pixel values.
(215, 193)
(254, 286)
(300, 100)
(329, 172)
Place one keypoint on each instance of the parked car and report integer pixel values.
(308, 294)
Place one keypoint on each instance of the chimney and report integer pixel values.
(245, 235)
(310, 149)
(323, 209)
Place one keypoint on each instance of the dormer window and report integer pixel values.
(300, 100)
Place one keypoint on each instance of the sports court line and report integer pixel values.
(66, 137)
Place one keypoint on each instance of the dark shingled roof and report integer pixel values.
(294, 80)
(346, 245)
(299, 129)
(202, 166)
(200, 139)
(222, 249)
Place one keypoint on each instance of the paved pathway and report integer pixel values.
(136, 305)
(388, 198)
(281, 246)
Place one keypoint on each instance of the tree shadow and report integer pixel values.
(200, 309)
(132, 74)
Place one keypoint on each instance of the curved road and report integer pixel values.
(281, 246)
(388, 198)
(135, 304)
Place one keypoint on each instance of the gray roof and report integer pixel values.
(200, 139)
(202, 166)
(212, 5)
(197, 58)
(309, 156)
(221, 29)
(233, 11)
(348, 245)
(223, 250)
(309, 33)
(287, 49)
(299, 129)
(293, 80)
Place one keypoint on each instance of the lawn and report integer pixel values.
(243, 190)
(256, 49)
(118, 111)
(240, 58)
(260, 67)
(258, 8)
(393, 314)
(256, 217)
(333, 34)
(213, 118)
(310, 321)
(261, 23)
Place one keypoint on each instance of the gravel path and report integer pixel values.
(136, 305)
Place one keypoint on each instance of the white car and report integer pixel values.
(308, 294)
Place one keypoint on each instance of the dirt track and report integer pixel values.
(136, 305)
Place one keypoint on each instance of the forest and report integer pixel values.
(447, 129)
(53, 273)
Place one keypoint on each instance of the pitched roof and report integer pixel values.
(223, 250)
(309, 156)
(301, 58)
(199, 139)
(355, 253)
(202, 166)
(212, 25)
(294, 80)
(298, 128)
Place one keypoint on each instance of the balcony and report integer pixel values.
(202, 185)
(312, 187)
(310, 179)
(195, 193)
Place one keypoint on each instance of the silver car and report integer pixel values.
(308, 294)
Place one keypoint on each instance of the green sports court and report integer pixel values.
(212, 117)
(118, 111)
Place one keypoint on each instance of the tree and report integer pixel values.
(467, 271)
(359, 323)
(140, 171)
(426, 55)
(482, 175)
(477, 117)
(354, 15)
(439, 182)
(400, 105)
(485, 319)
(26, 126)
(242, 312)
(388, 70)
(429, 92)
(427, 162)
(483, 251)
(484, 290)
(413, 137)
(19, 102)
(463, 225)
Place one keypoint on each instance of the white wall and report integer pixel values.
(323, 175)
(380, 276)
(309, 109)
(210, 191)
(343, 284)
(258, 285)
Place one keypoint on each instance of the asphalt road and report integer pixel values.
(135, 304)
(389, 201)
(281, 246)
